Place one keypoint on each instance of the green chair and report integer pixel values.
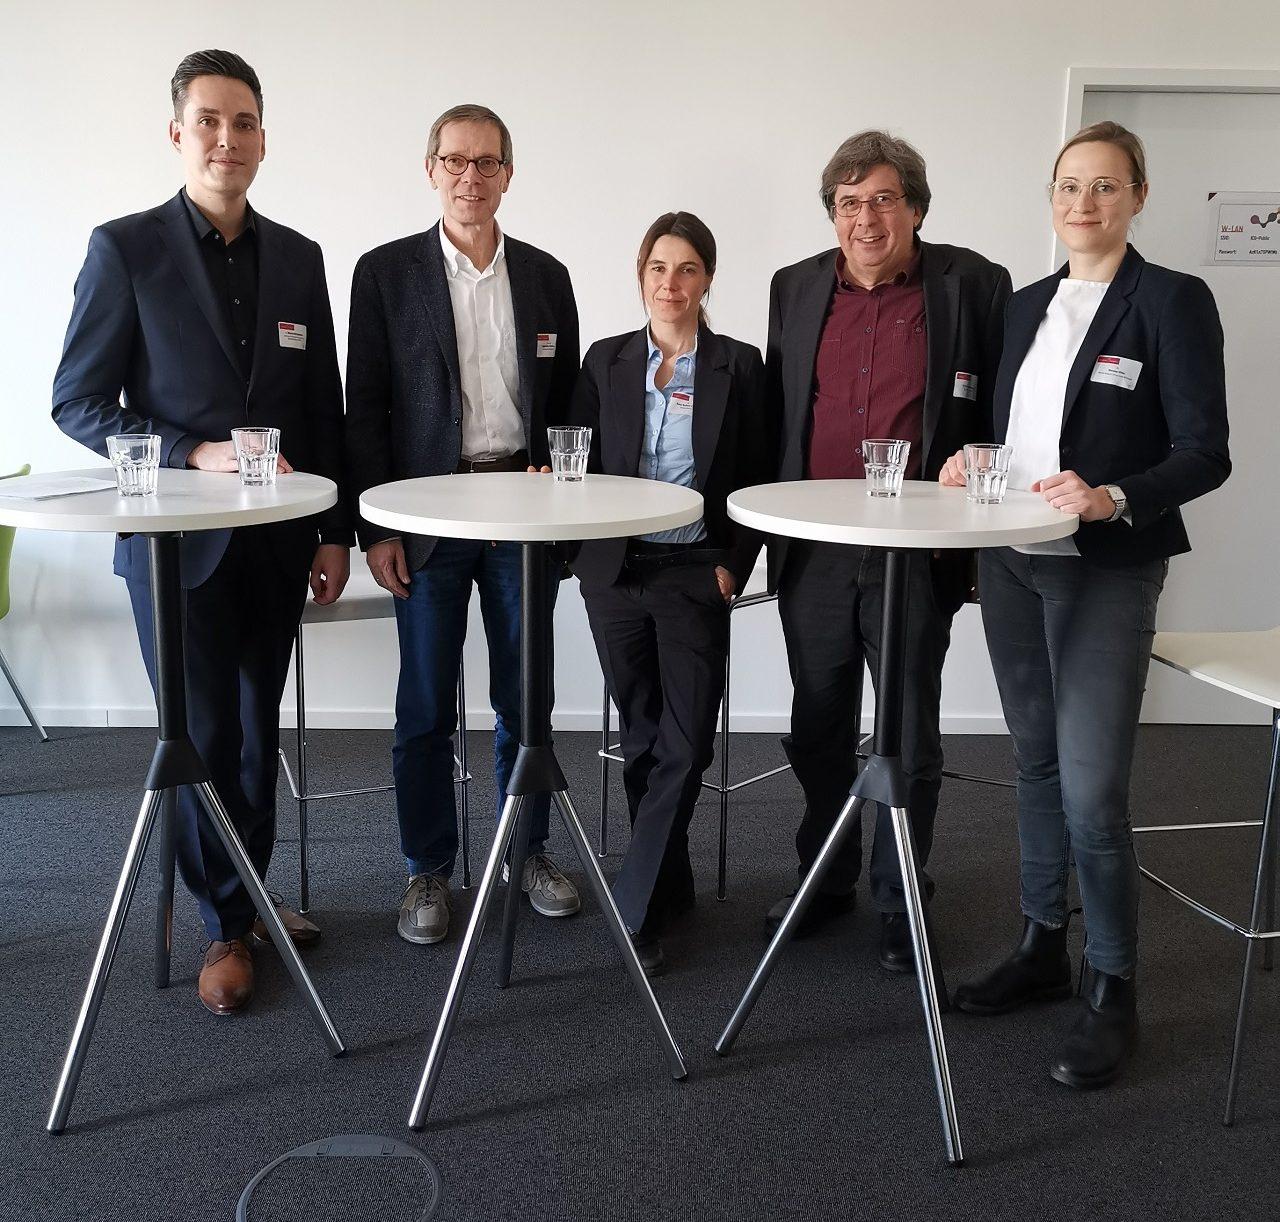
(6, 550)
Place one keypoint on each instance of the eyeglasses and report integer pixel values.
(851, 205)
(1103, 191)
(456, 163)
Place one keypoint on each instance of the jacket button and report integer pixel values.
(1067, 451)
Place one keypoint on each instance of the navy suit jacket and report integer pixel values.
(1164, 442)
(964, 300)
(730, 441)
(148, 351)
(404, 388)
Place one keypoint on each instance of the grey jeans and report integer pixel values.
(1070, 644)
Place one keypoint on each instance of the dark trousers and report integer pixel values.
(829, 600)
(663, 638)
(1070, 644)
(239, 630)
(432, 626)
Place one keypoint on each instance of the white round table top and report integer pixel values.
(524, 507)
(185, 500)
(926, 515)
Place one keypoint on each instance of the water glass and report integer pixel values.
(257, 450)
(136, 458)
(986, 472)
(885, 461)
(569, 449)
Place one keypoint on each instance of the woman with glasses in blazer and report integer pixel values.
(1111, 392)
(672, 401)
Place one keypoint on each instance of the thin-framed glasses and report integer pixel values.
(882, 201)
(1103, 191)
(456, 163)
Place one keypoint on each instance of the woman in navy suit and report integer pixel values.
(1111, 392)
(672, 401)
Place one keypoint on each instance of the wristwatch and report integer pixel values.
(1116, 493)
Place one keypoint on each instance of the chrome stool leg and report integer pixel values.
(22, 700)
(304, 872)
(464, 780)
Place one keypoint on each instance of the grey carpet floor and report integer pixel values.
(555, 1102)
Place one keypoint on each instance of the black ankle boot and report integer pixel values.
(1038, 970)
(1104, 1035)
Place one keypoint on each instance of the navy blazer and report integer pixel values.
(404, 388)
(148, 351)
(1164, 441)
(964, 300)
(731, 447)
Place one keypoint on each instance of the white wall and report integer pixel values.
(618, 112)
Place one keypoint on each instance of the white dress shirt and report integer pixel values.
(485, 322)
(1040, 394)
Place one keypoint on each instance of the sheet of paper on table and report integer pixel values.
(42, 488)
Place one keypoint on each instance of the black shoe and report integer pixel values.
(896, 951)
(1038, 970)
(649, 952)
(823, 907)
(1104, 1035)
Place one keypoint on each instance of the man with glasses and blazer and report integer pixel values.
(882, 336)
(463, 349)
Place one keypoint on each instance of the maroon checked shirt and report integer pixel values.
(869, 375)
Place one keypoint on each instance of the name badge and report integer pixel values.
(546, 343)
(966, 386)
(681, 403)
(292, 335)
(1116, 371)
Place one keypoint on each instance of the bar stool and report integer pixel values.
(354, 606)
(1248, 664)
(608, 753)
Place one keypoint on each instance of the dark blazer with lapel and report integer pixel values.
(964, 300)
(145, 323)
(1164, 442)
(404, 388)
(730, 440)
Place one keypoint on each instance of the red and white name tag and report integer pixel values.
(546, 343)
(292, 335)
(1116, 371)
(966, 386)
(681, 402)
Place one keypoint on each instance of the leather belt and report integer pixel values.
(519, 461)
(642, 554)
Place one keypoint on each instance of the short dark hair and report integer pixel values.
(470, 112)
(679, 225)
(860, 154)
(211, 63)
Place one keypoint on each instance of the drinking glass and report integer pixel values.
(136, 458)
(257, 450)
(569, 449)
(885, 460)
(986, 472)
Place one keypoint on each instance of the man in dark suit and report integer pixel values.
(883, 336)
(190, 320)
(463, 349)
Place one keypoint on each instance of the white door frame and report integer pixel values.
(1081, 81)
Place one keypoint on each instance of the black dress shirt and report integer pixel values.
(232, 268)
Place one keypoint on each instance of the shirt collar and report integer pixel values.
(204, 226)
(453, 256)
(654, 350)
(909, 274)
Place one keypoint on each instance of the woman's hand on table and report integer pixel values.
(539, 470)
(1069, 493)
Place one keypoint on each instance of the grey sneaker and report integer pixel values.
(550, 893)
(424, 911)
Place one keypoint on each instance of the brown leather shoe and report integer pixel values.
(302, 931)
(226, 979)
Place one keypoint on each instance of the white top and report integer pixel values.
(1040, 392)
(1246, 663)
(185, 500)
(926, 515)
(485, 322)
(529, 508)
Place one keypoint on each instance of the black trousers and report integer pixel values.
(663, 640)
(829, 600)
(239, 629)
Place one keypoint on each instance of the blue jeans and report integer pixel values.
(432, 625)
(1070, 644)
